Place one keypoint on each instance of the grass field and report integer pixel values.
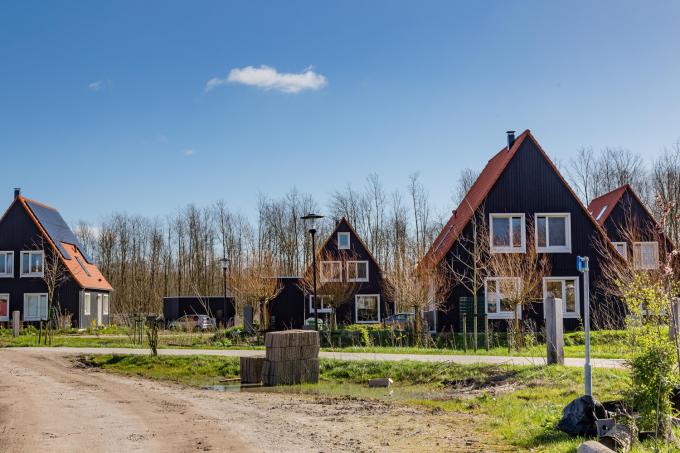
(605, 344)
(520, 404)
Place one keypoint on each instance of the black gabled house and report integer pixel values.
(631, 228)
(344, 259)
(32, 237)
(520, 187)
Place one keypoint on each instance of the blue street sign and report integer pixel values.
(582, 263)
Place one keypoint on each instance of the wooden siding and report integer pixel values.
(17, 233)
(529, 185)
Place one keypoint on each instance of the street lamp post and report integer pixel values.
(224, 262)
(310, 221)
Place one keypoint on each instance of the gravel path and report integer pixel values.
(462, 359)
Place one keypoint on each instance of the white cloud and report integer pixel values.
(188, 152)
(99, 85)
(269, 78)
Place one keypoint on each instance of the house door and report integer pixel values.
(99, 310)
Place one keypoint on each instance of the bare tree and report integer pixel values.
(419, 286)
(256, 284)
(469, 264)
(54, 275)
(519, 279)
(466, 179)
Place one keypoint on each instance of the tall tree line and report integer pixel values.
(146, 259)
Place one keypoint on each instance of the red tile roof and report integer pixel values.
(95, 279)
(478, 193)
(602, 206)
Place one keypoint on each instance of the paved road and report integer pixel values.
(462, 359)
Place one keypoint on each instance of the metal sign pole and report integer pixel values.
(582, 265)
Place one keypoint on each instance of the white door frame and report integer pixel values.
(100, 317)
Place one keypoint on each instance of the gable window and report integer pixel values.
(35, 307)
(508, 233)
(32, 262)
(357, 271)
(367, 308)
(4, 307)
(87, 303)
(105, 305)
(497, 291)
(622, 248)
(324, 303)
(566, 290)
(331, 271)
(646, 255)
(553, 233)
(343, 241)
(7, 264)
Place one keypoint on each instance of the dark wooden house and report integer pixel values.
(33, 239)
(630, 226)
(344, 259)
(519, 188)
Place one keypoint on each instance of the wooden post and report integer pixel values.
(474, 332)
(486, 332)
(554, 326)
(16, 323)
(465, 332)
(675, 317)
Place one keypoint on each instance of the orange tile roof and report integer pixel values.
(602, 206)
(478, 193)
(93, 281)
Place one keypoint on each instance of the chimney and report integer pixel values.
(511, 138)
(17, 192)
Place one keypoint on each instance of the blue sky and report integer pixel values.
(104, 107)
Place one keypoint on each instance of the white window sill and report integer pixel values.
(502, 316)
(570, 316)
(35, 319)
(31, 276)
(6, 275)
(368, 322)
(357, 280)
(508, 250)
(322, 310)
(553, 249)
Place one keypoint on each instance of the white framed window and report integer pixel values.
(508, 233)
(357, 271)
(367, 308)
(87, 303)
(497, 291)
(646, 255)
(622, 248)
(565, 289)
(105, 306)
(4, 307)
(324, 303)
(6, 264)
(331, 271)
(553, 232)
(343, 241)
(32, 262)
(35, 306)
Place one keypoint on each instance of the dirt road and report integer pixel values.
(49, 404)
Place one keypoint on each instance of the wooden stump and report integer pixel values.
(251, 369)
